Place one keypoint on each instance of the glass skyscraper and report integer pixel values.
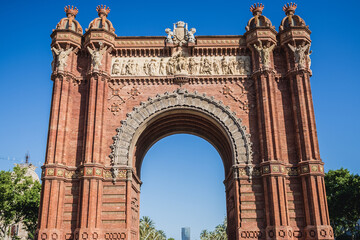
(185, 233)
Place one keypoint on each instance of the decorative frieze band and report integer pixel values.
(69, 174)
(107, 173)
(181, 64)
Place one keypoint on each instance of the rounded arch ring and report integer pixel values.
(235, 130)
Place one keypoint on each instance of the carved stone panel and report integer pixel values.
(181, 64)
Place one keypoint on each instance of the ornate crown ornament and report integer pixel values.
(71, 11)
(257, 9)
(180, 24)
(289, 8)
(103, 10)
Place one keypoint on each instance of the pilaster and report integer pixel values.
(295, 40)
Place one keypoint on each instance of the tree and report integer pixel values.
(343, 195)
(148, 232)
(19, 200)
(218, 234)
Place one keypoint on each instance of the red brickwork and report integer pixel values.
(274, 178)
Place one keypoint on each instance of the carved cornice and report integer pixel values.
(68, 76)
(301, 72)
(98, 75)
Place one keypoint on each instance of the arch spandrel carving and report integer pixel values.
(136, 121)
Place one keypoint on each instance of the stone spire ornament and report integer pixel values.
(69, 22)
(102, 22)
(291, 20)
(103, 12)
(71, 13)
(289, 10)
(256, 10)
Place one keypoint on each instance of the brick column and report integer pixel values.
(52, 195)
(310, 164)
(272, 162)
(89, 222)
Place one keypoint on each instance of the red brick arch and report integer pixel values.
(181, 111)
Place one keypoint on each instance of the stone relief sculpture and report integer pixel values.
(224, 66)
(162, 67)
(180, 35)
(179, 63)
(60, 58)
(309, 59)
(116, 68)
(170, 35)
(96, 56)
(191, 33)
(300, 54)
(264, 53)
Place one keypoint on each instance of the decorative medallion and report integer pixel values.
(50, 172)
(119, 96)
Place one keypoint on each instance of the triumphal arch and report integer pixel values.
(248, 95)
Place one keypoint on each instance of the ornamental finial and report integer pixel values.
(102, 10)
(71, 11)
(289, 8)
(257, 9)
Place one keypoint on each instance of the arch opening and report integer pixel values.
(209, 119)
(183, 186)
(183, 121)
(182, 112)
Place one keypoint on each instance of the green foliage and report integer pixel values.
(218, 234)
(148, 232)
(343, 195)
(171, 239)
(19, 200)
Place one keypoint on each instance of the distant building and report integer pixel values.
(185, 233)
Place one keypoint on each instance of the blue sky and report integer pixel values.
(25, 92)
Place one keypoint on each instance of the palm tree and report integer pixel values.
(147, 230)
(204, 235)
(218, 234)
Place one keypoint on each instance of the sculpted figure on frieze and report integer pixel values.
(216, 66)
(232, 66)
(96, 56)
(265, 53)
(192, 66)
(206, 66)
(181, 64)
(170, 66)
(224, 66)
(152, 67)
(60, 58)
(116, 68)
(300, 54)
(162, 67)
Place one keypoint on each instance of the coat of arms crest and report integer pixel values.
(180, 35)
